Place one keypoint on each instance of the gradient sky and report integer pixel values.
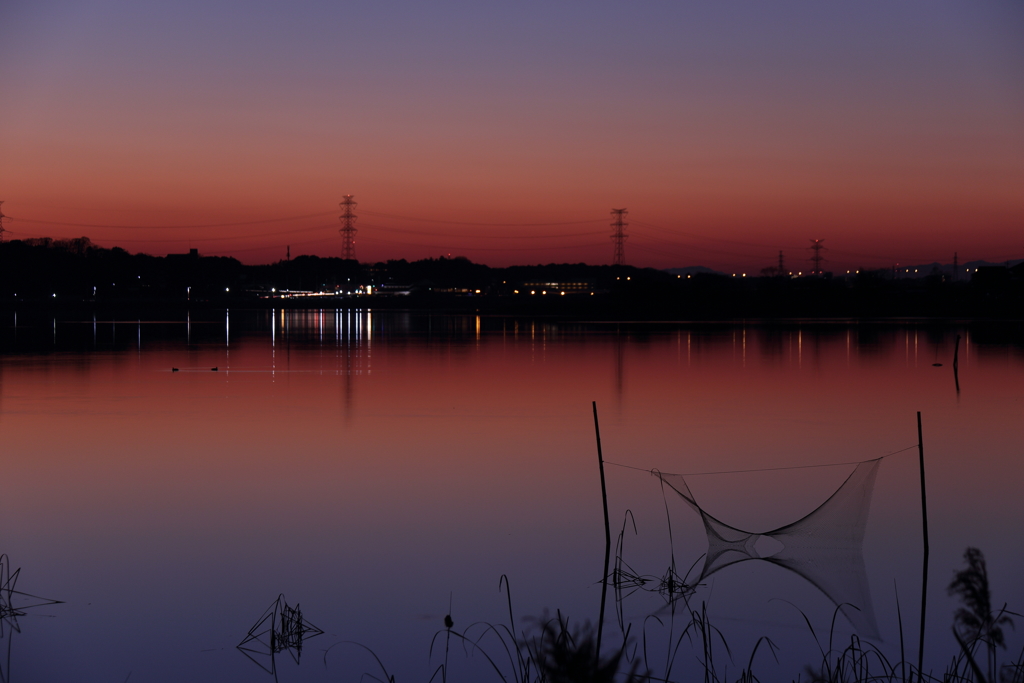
(505, 132)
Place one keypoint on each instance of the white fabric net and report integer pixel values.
(824, 546)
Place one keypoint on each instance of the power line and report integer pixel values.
(271, 247)
(495, 225)
(136, 240)
(489, 237)
(677, 245)
(703, 237)
(437, 246)
(176, 227)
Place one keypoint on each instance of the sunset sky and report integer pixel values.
(505, 132)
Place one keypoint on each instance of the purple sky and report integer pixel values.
(894, 131)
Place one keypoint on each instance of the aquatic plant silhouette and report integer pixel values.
(625, 581)
(974, 623)
(13, 604)
(562, 655)
(281, 628)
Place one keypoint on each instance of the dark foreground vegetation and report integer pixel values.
(45, 273)
(550, 650)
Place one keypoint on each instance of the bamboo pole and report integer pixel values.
(924, 571)
(956, 365)
(607, 541)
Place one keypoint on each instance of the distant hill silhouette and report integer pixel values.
(46, 273)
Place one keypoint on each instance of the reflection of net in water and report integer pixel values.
(281, 628)
(13, 604)
(824, 546)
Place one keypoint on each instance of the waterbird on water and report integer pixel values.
(174, 369)
(213, 369)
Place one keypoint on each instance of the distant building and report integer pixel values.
(577, 287)
(191, 257)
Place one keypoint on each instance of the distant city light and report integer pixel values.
(562, 293)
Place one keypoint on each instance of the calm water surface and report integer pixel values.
(382, 470)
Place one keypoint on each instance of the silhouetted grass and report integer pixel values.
(551, 650)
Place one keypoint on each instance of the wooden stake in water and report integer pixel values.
(924, 572)
(607, 540)
(956, 365)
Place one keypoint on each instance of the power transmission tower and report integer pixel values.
(619, 236)
(782, 265)
(2, 217)
(817, 247)
(956, 267)
(348, 228)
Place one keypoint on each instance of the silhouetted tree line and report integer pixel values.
(75, 272)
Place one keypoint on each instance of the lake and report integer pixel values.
(167, 479)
